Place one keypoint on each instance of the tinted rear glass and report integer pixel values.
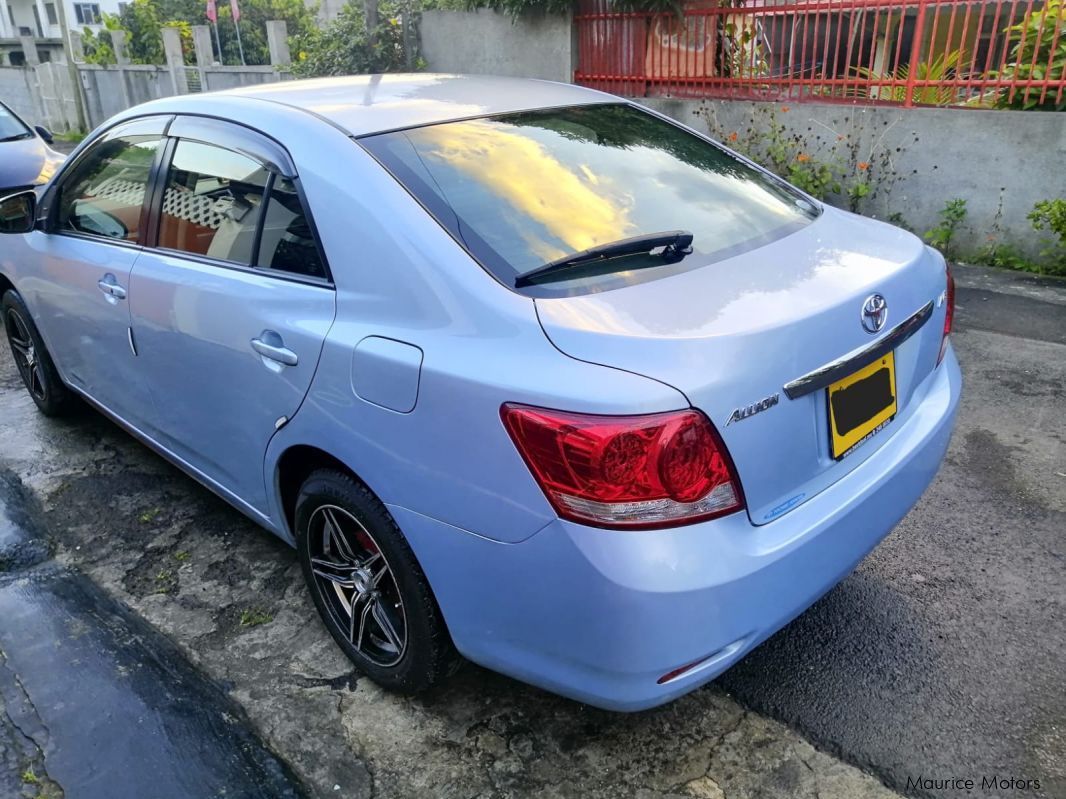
(524, 189)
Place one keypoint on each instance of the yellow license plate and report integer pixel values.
(861, 404)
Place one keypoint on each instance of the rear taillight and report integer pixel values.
(628, 472)
(949, 315)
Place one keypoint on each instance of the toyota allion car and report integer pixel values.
(527, 373)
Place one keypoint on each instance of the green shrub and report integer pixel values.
(342, 47)
(1031, 58)
(943, 235)
(1050, 215)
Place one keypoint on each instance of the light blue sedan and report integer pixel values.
(525, 372)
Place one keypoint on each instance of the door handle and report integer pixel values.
(111, 288)
(270, 346)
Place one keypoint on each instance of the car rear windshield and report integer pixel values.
(11, 126)
(524, 189)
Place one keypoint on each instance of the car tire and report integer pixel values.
(368, 587)
(32, 359)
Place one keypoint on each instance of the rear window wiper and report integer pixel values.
(676, 245)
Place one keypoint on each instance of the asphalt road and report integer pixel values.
(944, 655)
(96, 704)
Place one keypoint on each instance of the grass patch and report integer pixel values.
(165, 582)
(181, 556)
(253, 617)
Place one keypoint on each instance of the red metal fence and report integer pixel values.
(964, 53)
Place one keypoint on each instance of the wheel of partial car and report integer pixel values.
(31, 358)
(368, 586)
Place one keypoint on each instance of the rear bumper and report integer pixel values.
(600, 616)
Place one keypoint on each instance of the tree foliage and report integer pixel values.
(344, 47)
(1038, 53)
(144, 21)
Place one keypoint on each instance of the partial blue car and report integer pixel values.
(26, 157)
(526, 372)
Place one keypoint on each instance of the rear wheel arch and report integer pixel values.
(6, 285)
(294, 466)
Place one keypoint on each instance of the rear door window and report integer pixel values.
(288, 242)
(521, 190)
(212, 203)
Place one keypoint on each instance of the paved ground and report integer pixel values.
(92, 697)
(919, 664)
(944, 655)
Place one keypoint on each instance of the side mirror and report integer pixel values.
(18, 212)
(45, 134)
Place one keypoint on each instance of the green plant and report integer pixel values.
(1004, 256)
(817, 178)
(29, 778)
(148, 516)
(943, 235)
(1050, 215)
(1032, 58)
(943, 67)
(343, 47)
(144, 20)
(253, 617)
(896, 218)
(839, 174)
(181, 556)
(97, 46)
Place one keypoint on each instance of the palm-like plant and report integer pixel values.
(942, 68)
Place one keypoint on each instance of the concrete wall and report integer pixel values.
(1000, 162)
(15, 83)
(487, 42)
(41, 95)
(109, 90)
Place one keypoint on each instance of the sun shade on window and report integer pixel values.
(521, 190)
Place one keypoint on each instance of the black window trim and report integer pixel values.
(218, 130)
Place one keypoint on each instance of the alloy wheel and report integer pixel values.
(25, 354)
(357, 584)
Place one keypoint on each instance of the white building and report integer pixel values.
(39, 19)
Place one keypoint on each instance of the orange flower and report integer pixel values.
(784, 109)
(803, 158)
(863, 165)
(733, 136)
(841, 137)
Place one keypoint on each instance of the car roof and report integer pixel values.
(367, 104)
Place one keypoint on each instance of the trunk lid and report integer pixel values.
(731, 334)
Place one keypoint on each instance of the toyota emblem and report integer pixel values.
(874, 313)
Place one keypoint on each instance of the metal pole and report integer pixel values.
(218, 43)
(408, 39)
(72, 69)
(240, 47)
(916, 55)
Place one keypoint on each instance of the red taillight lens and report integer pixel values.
(629, 472)
(949, 315)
